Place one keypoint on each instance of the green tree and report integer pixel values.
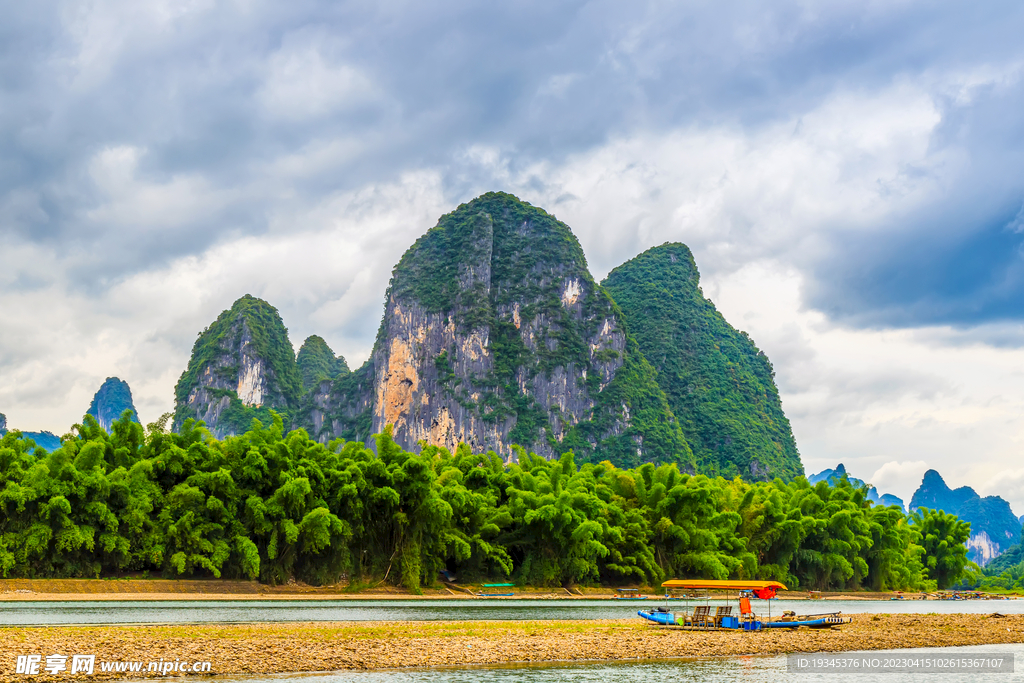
(943, 538)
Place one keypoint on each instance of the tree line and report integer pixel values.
(269, 505)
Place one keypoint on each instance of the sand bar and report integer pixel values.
(302, 647)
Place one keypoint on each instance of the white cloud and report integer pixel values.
(899, 478)
(303, 83)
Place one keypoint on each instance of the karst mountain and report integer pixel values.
(495, 334)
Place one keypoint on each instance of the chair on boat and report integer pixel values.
(701, 617)
(746, 613)
(720, 613)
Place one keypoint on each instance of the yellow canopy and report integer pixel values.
(722, 585)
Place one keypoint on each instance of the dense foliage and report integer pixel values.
(719, 384)
(317, 362)
(271, 505)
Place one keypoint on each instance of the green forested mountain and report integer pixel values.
(241, 366)
(495, 334)
(720, 386)
(317, 362)
(273, 505)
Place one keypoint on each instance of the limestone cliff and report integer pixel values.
(242, 366)
(113, 398)
(494, 334)
(718, 383)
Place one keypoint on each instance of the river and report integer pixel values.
(732, 670)
(31, 613)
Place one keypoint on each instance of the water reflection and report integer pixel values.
(212, 611)
(733, 670)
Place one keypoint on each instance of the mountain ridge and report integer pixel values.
(994, 527)
(494, 334)
(719, 385)
(834, 475)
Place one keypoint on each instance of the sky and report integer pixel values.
(849, 176)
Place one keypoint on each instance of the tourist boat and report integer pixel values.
(702, 617)
(628, 594)
(496, 595)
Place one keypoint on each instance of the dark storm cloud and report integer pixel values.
(958, 260)
(213, 96)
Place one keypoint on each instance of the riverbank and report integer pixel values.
(295, 647)
(197, 589)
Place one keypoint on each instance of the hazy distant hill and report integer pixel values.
(46, 440)
(832, 476)
(994, 527)
(111, 400)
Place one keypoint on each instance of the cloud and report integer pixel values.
(899, 478)
(848, 175)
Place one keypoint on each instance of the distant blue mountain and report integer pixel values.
(836, 475)
(113, 398)
(994, 527)
(50, 442)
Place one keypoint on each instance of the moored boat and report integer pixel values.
(702, 617)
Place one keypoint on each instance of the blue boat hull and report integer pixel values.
(663, 618)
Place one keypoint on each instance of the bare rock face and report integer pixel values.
(495, 334)
(242, 366)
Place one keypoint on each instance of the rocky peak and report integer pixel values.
(494, 334)
(317, 362)
(994, 527)
(242, 366)
(3, 424)
(113, 398)
(718, 384)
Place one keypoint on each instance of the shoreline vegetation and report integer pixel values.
(280, 507)
(246, 649)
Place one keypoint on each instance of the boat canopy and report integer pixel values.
(708, 584)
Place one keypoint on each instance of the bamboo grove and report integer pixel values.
(271, 506)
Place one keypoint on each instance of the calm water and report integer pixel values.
(200, 611)
(735, 670)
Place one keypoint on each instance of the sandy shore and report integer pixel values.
(282, 648)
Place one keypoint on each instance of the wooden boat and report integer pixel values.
(810, 621)
(723, 618)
